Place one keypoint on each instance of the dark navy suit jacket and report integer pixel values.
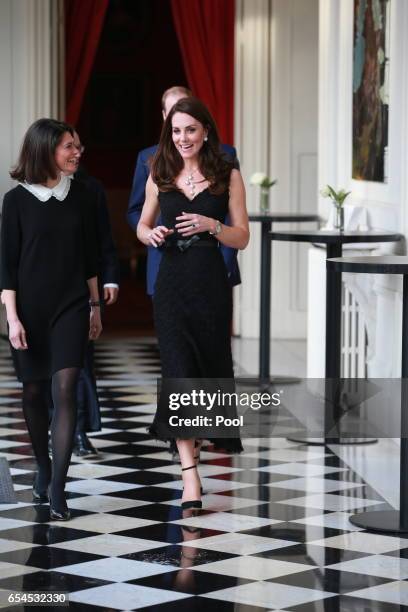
(89, 413)
(136, 201)
(108, 271)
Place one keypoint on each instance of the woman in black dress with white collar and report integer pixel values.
(49, 287)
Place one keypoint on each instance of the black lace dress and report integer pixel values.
(193, 307)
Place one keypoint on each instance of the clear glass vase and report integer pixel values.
(264, 201)
(338, 222)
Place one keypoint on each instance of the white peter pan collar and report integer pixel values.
(42, 193)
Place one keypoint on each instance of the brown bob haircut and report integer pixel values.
(168, 163)
(36, 162)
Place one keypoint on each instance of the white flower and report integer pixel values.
(325, 193)
(338, 197)
(258, 178)
(261, 179)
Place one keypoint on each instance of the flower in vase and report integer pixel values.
(261, 179)
(265, 183)
(337, 197)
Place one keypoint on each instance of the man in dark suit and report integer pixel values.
(89, 414)
(137, 198)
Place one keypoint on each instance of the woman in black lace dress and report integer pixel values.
(194, 187)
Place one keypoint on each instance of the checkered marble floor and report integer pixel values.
(273, 533)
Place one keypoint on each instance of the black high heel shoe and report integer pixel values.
(39, 497)
(194, 503)
(65, 515)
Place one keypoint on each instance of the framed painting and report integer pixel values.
(370, 90)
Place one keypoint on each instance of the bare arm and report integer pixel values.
(17, 333)
(146, 232)
(235, 235)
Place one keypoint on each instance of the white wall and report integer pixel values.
(28, 61)
(293, 146)
(29, 64)
(276, 132)
(386, 203)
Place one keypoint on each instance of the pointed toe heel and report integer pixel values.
(39, 497)
(83, 447)
(55, 515)
(60, 516)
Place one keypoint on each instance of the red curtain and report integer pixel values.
(83, 26)
(205, 31)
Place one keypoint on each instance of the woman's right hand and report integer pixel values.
(17, 335)
(158, 235)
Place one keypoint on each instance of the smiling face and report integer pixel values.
(67, 155)
(188, 135)
(79, 147)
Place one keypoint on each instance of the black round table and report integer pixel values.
(266, 221)
(389, 520)
(334, 241)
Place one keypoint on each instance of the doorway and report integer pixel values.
(138, 58)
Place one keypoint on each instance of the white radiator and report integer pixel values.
(353, 338)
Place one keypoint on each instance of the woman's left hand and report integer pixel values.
(95, 323)
(191, 223)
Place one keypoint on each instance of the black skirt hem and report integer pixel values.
(232, 446)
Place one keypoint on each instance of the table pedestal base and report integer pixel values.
(325, 441)
(387, 521)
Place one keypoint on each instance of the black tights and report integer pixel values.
(35, 407)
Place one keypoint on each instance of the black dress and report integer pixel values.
(192, 305)
(48, 251)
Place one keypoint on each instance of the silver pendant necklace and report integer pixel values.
(190, 182)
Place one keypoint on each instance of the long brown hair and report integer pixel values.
(168, 163)
(36, 162)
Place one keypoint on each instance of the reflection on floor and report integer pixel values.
(286, 356)
(273, 533)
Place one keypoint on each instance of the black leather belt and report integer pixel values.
(184, 244)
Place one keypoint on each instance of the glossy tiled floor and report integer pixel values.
(273, 534)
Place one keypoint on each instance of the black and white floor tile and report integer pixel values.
(273, 534)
